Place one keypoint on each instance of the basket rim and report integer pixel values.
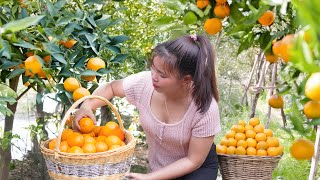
(248, 156)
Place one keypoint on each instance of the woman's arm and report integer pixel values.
(108, 91)
(197, 153)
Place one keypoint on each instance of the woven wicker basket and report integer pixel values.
(247, 167)
(113, 164)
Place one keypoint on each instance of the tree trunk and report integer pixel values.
(5, 154)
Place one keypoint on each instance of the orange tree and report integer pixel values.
(285, 30)
(43, 43)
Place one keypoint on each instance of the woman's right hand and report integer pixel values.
(82, 113)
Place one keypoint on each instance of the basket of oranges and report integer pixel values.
(96, 152)
(248, 151)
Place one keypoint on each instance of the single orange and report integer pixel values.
(88, 78)
(276, 101)
(262, 152)
(250, 134)
(221, 149)
(268, 132)
(231, 150)
(86, 125)
(302, 149)
(95, 64)
(64, 147)
(52, 143)
(312, 87)
(65, 134)
(254, 121)
(240, 136)
(89, 148)
(71, 84)
(240, 151)
(230, 134)
(222, 10)
(47, 59)
(261, 137)
(75, 139)
(70, 43)
(232, 142)
(80, 93)
(75, 149)
(113, 140)
(251, 142)
(242, 143)
(259, 128)
(115, 146)
(32, 66)
(118, 132)
(96, 130)
(212, 26)
(262, 145)
(224, 141)
(101, 146)
(89, 139)
(251, 151)
(202, 3)
(273, 142)
(101, 138)
(312, 109)
(267, 18)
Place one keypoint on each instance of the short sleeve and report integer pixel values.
(134, 86)
(208, 124)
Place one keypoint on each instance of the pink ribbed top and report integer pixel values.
(168, 143)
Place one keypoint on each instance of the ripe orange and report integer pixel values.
(276, 101)
(240, 136)
(271, 58)
(240, 151)
(259, 128)
(64, 147)
(96, 130)
(273, 142)
(224, 141)
(250, 134)
(32, 66)
(118, 132)
(88, 78)
(75, 149)
(267, 18)
(65, 134)
(268, 132)
(221, 149)
(101, 146)
(86, 125)
(251, 151)
(47, 59)
(113, 140)
(29, 53)
(262, 145)
(239, 128)
(242, 143)
(276, 48)
(101, 138)
(230, 134)
(95, 64)
(241, 122)
(231, 150)
(71, 84)
(89, 148)
(202, 3)
(70, 43)
(251, 142)
(262, 152)
(254, 121)
(273, 151)
(312, 87)
(89, 139)
(312, 109)
(260, 137)
(213, 26)
(302, 149)
(75, 139)
(232, 142)
(248, 127)
(108, 129)
(52, 143)
(115, 146)
(285, 48)
(222, 10)
(80, 93)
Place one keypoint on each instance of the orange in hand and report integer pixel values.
(86, 125)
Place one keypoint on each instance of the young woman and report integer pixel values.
(177, 103)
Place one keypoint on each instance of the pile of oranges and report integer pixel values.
(250, 139)
(91, 138)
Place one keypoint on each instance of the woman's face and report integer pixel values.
(162, 81)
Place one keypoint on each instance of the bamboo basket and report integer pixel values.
(247, 167)
(113, 164)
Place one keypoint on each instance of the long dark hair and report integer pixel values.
(192, 55)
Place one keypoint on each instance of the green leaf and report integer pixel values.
(114, 49)
(163, 21)
(103, 22)
(314, 122)
(6, 112)
(118, 39)
(91, 39)
(119, 58)
(21, 24)
(15, 73)
(6, 91)
(195, 9)
(51, 9)
(90, 73)
(24, 44)
(59, 57)
(94, 2)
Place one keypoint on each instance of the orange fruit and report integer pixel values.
(224, 141)
(230, 134)
(29, 53)
(261, 137)
(268, 132)
(52, 143)
(312, 109)
(75, 149)
(80, 93)
(242, 122)
(71, 84)
(88, 78)
(248, 127)
(271, 58)
(259, 128)
(202, 3)
(47, 59)
(64, 147)
(32, 66)
(273, 151)
(285, 48)
(113, 140)
(262, 152)
(232, 142)
(302, 149)
(239, 128)
(65, 134)
(267, 18)
(222, 10)
(272, 142)
(89, 148)
(231, 150)
(262, 145)
(242, 143)
(70, 43)
(95, 64)
(115, 146)
(75, 139)
(276, 48)
(101, 146)
(240, 151)
(96, 130)
(42, 74)
(280, 149)
(251, 151)
(254, 121)
(89, 139)
(123, 143)
(86, 125)
(250, 134)
(221, 149)
(251, 142)
(212, 26)
(112, 124)
(108, 129)
(276, 101)
(89, 134)
(312, 87)
(101, 138)
(118, 132)
(240, 136)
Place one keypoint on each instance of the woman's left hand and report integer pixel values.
(138, 176)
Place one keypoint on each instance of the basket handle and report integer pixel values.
(67, 115)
